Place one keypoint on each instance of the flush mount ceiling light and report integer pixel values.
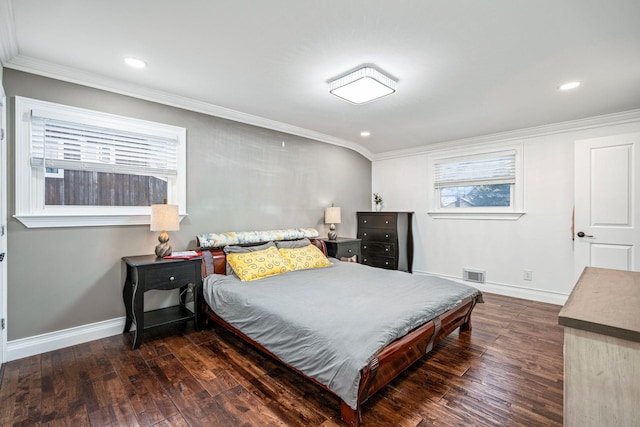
(363, 85)
(569, 86)
(135, 62)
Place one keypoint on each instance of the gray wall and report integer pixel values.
(239, 177)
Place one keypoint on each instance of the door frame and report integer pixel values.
(4, 188)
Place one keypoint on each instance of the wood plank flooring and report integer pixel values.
(506, 372)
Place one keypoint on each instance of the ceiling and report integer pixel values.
(464, 68)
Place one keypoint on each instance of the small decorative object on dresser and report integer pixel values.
(164, 218)
(377, 200)
(387, 239)
(343, 247)
(332, 216)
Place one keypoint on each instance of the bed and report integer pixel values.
(348, 327)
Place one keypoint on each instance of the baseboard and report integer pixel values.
(30, 346)
(533, 294)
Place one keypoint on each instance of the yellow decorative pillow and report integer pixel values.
(304, 258)
(257, 264)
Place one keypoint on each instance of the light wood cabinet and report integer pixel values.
(602, 350)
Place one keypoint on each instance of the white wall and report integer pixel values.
(539, 241)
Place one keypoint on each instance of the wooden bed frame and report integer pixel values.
(390, 362)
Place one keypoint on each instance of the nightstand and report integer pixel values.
(147, 272)
(343, 247)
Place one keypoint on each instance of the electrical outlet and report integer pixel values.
(528, 275)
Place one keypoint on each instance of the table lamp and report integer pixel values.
(332, 216)
(164, 218)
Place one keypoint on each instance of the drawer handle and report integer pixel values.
(365, 221)
(386, 222)
(365, 234)
(386, 263)
(172, 278)
(365, 246)
(364, 260)
(386, 249)
(349, 251)
(386, 235)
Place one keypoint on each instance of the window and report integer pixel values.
(77, 167)
(483, 183)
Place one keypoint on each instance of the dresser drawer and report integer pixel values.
(377, 235)
(348, 250)
(379, 261)
(377, 248)
(343, 247)
(170, 277)
(377, 221)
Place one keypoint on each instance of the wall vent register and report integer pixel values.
(476, 276)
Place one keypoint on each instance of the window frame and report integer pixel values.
(29, 188)
(512, 212)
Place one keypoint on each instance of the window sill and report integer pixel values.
(48, 221)
(504, 216)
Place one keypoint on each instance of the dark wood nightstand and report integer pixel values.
(148, 272)
(343, 247)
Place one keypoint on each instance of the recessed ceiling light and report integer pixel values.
(365, 133)
(569, 86)
(363, 85)
(135, 62)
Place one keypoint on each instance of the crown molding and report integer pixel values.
(536, 131)
(72, 75)
(8, 42)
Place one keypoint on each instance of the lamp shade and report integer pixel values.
(165, 218)
(332, 215)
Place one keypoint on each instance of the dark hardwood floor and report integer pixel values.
(506, 372)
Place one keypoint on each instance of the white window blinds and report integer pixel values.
(493, 168)
(58, 143)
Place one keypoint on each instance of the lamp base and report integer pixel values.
(333, 235)
(163, 250)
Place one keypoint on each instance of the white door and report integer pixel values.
(607, 203)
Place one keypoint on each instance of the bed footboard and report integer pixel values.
(402, 353)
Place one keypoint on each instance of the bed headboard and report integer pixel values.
(219, 240)
(217, 261)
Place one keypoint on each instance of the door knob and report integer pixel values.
(581, 234)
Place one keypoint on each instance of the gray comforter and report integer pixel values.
(330, 322)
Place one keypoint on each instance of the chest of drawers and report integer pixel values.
(387, 239)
